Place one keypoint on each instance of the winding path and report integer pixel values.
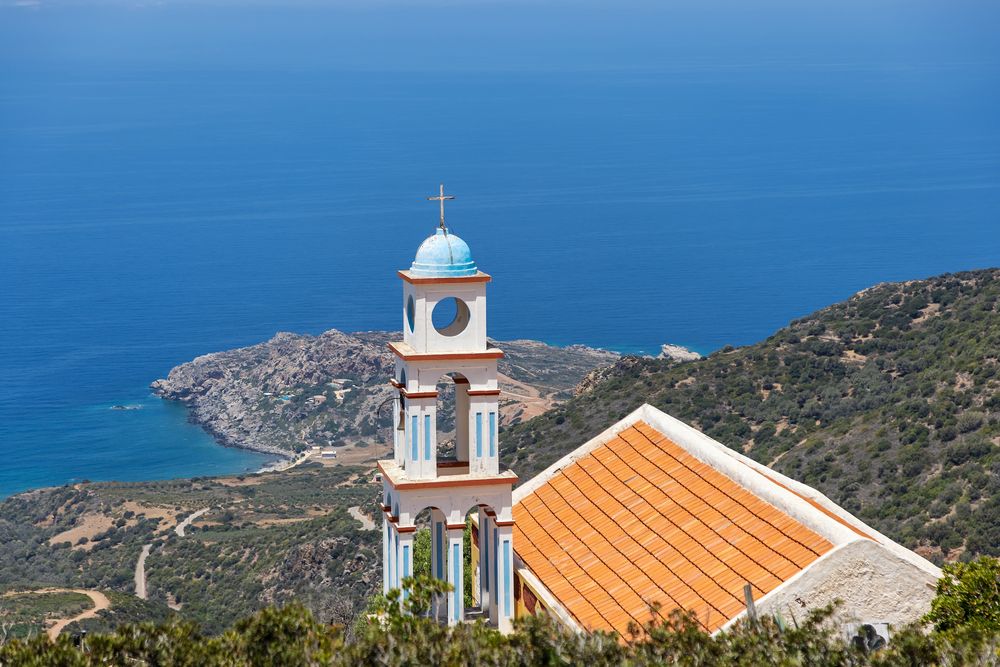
(100, 600)
(180, 528)
(140, 565)
(140, 572)
(366, 521)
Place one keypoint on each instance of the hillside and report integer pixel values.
(888, 403)
(294, 391)
(306, 533)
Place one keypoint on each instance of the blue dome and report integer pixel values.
(443, 255)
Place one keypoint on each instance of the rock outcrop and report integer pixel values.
(678, 353)
(296, 391)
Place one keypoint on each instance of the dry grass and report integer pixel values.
(89, 526)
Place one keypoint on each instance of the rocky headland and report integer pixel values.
(297, 391)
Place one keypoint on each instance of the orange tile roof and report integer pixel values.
(823, 509)
(639, 520)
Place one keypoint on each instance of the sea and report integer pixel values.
(182, 178)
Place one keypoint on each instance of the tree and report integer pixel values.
(968, 596)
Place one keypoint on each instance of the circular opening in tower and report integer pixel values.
(411, 312)
(450, 316)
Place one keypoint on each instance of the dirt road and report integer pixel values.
(140, 565)
(187, 522)
(100, 600)
(140, 572)
(366, 521)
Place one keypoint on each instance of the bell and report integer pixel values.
(401, 424)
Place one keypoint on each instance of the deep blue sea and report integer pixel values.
(178, 179)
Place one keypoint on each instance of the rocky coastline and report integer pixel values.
(297, 391)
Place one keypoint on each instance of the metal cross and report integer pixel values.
(442, 197)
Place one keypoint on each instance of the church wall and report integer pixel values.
(873, 584)
(528, 600)
(474, 559)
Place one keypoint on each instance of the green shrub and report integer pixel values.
(968, 596)
(397, 631)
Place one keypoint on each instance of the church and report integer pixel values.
(651, 511)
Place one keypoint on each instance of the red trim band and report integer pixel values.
(480, 277)
(454, 356)
(419, 394)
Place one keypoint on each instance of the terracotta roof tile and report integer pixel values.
(639, 520)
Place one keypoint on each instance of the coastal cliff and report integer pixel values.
(296, 391)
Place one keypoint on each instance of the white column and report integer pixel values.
(492, 538)
(462, 420)
(491, 419)
(439, 556)
(439, 545)
(484, 444)
(387, 548)
(477, 437)
(405, 559)
(392, 561)
(505, 577)
(456, 599)
(485, 560)
(421, 438)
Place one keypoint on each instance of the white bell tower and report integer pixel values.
(445, 279)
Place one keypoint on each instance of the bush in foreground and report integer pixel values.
(968, 596)
(403, 635)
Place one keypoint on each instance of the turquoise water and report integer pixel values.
(179, 180)
(90, 440)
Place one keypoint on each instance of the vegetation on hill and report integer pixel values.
(888, 403)
(265, 540)
(23, 613)
(292, 637)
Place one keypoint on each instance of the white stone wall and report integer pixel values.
(873, 584)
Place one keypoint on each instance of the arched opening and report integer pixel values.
(450, 316)
(479, 562)
(461, 550)
(453, 420)
(432, 557)
(411, 313)
(422, 566)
